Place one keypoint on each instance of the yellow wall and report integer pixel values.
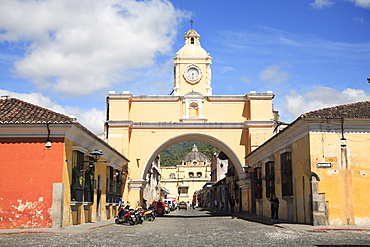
(140, 127)
(343, 186)
(90, 212)
(182, 179)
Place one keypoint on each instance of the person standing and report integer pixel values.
(232, 204)
(274, 208)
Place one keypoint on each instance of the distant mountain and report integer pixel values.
(172, 155)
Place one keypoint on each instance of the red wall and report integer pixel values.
(27, 173)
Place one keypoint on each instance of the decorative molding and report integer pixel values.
(286, 150)
(136, 185)
(81, 149)
(260, 96)
(257, 123)
(182, 125)
(120, 123)
(270, 158)
(221, 98)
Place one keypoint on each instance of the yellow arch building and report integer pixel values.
(142, 126)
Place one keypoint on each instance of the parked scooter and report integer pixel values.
(127, 215)
(146, 214)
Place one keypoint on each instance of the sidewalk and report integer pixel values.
(76, 229)
(298, 226)
(290, 225)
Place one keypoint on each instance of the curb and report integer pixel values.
(64, 230)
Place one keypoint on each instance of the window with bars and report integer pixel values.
(286, 173)
(270, 178)
(78, 178)
(83, 182)
(114, 185)
(257, 183)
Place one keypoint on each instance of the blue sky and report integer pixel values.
(66, 55)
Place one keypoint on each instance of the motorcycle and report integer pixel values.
(146, 214)
(127, 215)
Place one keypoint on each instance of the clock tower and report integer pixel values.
(192, 67)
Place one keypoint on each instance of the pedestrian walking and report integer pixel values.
(216, 204)
(274, 208)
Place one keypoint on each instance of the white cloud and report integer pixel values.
(78, 47)
(246, 80)
(92, 119)
(320, 4)
(225, 69)
(274, 74)
(362, 3)
(321, 97)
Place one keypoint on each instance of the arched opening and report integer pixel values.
(196, 137)
(193, 110)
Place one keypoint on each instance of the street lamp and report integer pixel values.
(246, 168)
(96, 154)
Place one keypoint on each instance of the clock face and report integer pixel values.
(192, 74)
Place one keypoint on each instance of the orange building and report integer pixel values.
(48, 175)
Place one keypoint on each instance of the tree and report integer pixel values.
(173, 154)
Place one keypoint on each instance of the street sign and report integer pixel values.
(324, 165)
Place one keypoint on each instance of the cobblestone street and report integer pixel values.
(191, 228)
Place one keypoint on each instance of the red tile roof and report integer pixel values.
(13, 111)
(355, 110)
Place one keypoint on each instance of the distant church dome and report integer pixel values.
(195, 156)
(192, 46)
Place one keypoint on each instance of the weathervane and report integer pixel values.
(191, 24)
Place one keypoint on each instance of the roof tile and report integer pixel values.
(354, 110)
(17, 111)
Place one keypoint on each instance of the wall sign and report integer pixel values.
(324, 165)
(331, 159)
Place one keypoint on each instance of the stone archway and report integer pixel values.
(142, 126)
(195, 137)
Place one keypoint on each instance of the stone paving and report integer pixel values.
(189, 228)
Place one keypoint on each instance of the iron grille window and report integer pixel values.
(114, 185)
(78, 176)
(270, 178)
(286, 174)
(257, 183)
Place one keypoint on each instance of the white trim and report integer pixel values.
(258, 165)
(270, 158)
(286, 150)
(81, 149)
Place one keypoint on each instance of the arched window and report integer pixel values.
(172, 176)
(191, 174)
(192, 41)
(195, 163)
(199, 174)
(193, 110)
